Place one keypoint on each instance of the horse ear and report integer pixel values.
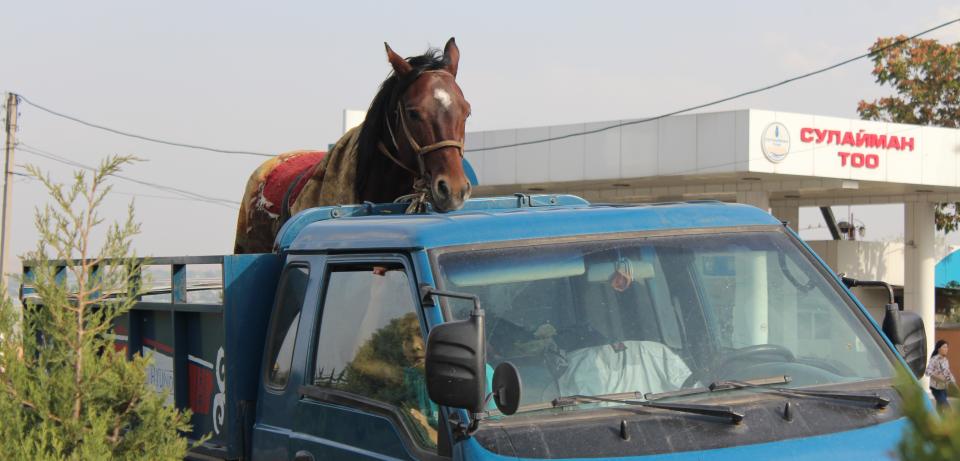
(400, 65)
(451, 56)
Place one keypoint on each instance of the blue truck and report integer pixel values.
(529, 327)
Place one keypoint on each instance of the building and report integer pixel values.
(773, 160)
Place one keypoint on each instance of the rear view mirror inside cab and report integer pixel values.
(637, 270)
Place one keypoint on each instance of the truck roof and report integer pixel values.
(500, 219)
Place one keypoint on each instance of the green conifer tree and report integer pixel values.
(65, 391)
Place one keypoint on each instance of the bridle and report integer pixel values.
(421, 187)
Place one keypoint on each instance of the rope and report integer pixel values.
(418, 199)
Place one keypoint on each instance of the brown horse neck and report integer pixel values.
(384, 181)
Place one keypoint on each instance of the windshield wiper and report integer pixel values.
(720, 386)
(629, 398)
(765, 383)
(873, 399)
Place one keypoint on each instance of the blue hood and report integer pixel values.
(872, 443)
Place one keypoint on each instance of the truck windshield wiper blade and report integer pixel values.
(720, 386)
(720, 411)
(873, 399)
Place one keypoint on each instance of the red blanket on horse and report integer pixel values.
(279, 181)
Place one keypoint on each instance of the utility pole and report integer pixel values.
(11, 130)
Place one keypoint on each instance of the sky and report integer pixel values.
(276, 76)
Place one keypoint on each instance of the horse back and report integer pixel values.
(267, 197)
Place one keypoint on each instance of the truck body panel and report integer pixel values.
(374, 232)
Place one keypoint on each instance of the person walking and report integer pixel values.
(940, 376)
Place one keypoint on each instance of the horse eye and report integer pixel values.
(413, 114)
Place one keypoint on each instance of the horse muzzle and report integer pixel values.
(448, 196)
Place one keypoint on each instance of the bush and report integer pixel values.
(65, 391)
(929, 436)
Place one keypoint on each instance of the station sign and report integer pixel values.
(857, 150)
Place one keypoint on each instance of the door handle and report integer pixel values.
(303, 455)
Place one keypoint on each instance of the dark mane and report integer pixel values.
(383, 104)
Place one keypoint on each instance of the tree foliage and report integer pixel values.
(925, 75)
(929, 437)
(65, 391)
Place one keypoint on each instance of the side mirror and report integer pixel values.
(892, 323)
(907, 333)
(914, 345)
(904, 329)
(506, 388)
(456, 363)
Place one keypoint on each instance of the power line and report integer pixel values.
(181, 192)
(718, 101)
(139, 136)
(27, 177)
(524, 143)
(163, 197)
(193, 196)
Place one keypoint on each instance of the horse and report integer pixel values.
(409, 146)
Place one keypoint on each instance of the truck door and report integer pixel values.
(364, 394)
(278, 393)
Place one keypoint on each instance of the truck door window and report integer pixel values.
(371, 344)
(286, 319)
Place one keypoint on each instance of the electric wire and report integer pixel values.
(718, 101)
(535, 141)
(231, 204)
(139, 136)
(181, 192)
(28, 177)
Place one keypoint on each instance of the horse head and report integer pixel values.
(425, 126)
(410, 141)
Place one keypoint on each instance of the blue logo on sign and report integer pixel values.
(775, 147)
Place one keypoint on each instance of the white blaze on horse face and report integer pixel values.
(442, 97)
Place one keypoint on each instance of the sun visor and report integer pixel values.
(518, 267)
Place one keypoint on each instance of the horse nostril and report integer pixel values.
(442, 189)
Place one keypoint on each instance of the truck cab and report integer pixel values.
(653, 332)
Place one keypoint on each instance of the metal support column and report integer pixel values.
(178, 293)
(11, 143)
(759, 199)
(919, 263)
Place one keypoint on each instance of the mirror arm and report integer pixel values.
(851, 282)
(427, 292)
(463, 431)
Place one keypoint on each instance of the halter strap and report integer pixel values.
(383, 150)
(416, 146)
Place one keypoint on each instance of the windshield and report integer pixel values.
(657, 314)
